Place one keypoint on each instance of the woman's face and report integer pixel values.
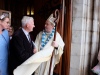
(48, 26)
(5, 23)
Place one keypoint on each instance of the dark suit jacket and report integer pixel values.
(20, 50)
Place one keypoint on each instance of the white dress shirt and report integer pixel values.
(26, 33)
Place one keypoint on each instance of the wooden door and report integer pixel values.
(67, 38)
(64, 28)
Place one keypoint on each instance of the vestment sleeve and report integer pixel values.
(59, 51)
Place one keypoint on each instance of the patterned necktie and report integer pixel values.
(30, 41)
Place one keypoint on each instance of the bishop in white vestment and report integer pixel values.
(43, 41)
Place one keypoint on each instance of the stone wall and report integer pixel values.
(84, 35)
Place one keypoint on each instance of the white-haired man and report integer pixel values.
(44, 40)
(21, 46)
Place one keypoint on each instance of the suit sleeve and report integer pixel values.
(23, 54)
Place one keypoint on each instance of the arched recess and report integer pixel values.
(43, 9)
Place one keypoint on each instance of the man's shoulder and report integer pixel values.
(18, 33)
(40, 33)
(58, 34)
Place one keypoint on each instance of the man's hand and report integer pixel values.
(34, 50)
(54, 44)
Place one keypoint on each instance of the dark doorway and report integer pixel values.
(42, 9)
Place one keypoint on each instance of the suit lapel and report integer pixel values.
(25, 38)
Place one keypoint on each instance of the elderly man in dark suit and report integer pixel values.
(21, 46)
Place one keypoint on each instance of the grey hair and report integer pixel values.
(25, 20)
